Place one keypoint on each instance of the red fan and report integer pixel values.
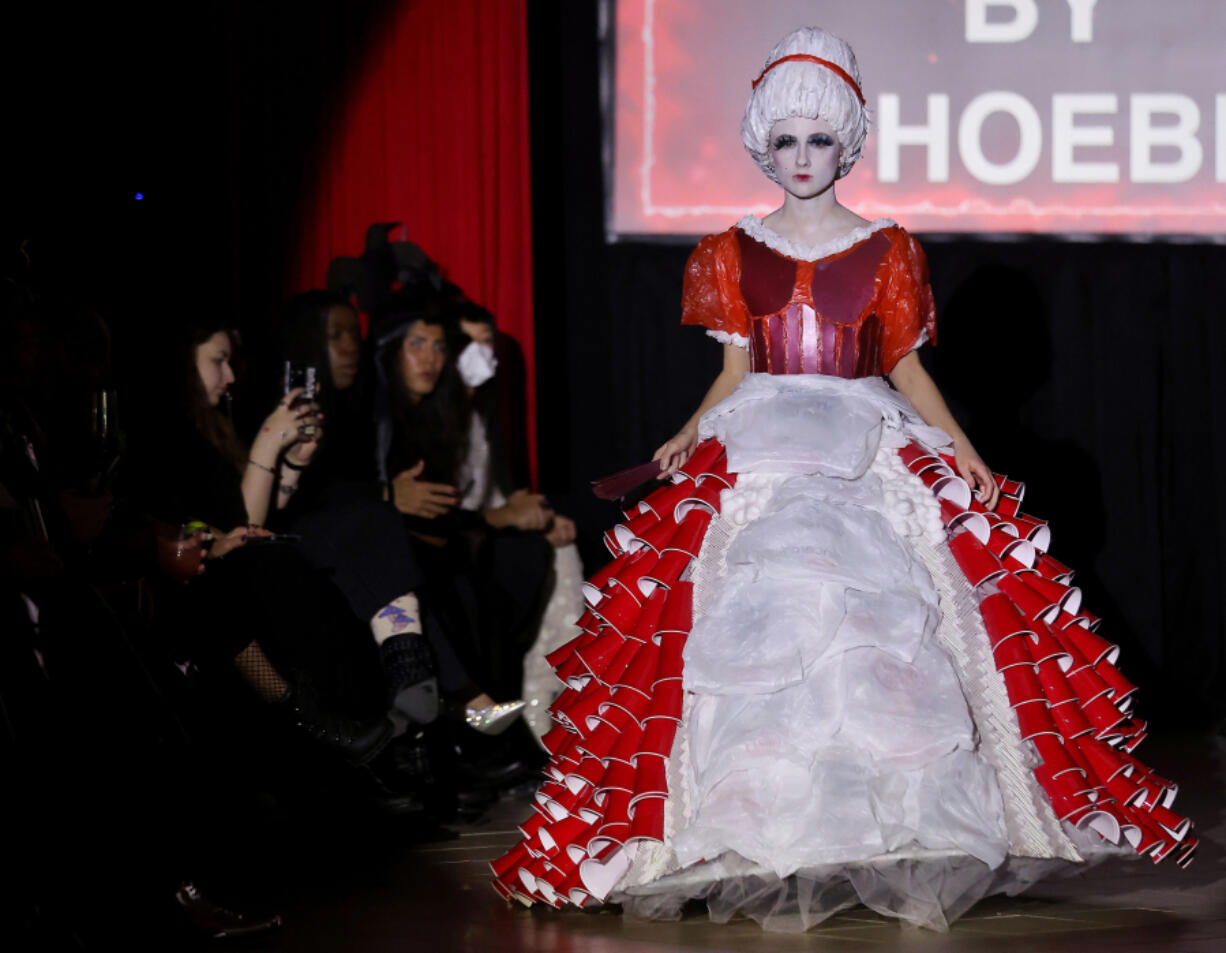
(616, 485)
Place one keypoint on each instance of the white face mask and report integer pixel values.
(477, 363)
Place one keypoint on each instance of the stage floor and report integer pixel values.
(437, 897)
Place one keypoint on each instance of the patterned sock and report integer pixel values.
(407, 660)
(398, 617)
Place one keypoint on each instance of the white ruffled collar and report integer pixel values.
(756, 229)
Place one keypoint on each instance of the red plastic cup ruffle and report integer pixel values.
(1071, 702)
(677, 616)
(704, 498)
(606, 784)
(1033, 605)
(955, 517)
(1005, 545)
(1002, 619)
(976, 561)
(663, 502)
(630, 533)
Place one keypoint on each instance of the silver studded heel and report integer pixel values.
(493, 719)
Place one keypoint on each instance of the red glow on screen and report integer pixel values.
(975, 130)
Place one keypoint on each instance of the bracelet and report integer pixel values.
(256, 463)
(286, 461)
(287, 488)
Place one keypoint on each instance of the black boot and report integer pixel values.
(354, 740)
(216, 922)
(408, 665)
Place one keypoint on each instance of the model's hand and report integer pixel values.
(522, 510)
(561, 532)
(677, 451)
(415, 497)
(977, 473)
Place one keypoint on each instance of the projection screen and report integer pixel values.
(1082, 117)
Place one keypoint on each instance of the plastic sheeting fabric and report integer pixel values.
(838, 731)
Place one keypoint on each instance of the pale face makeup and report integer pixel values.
(423, 354)
(805, 155)
(213, 366)
(344, 345)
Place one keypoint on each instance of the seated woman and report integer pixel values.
(248, 598)
(348, 529)
(487, 473)
(487, 556)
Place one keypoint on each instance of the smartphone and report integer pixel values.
(274, 538)
(304, 376)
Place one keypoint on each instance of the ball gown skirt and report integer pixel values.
(818, 673)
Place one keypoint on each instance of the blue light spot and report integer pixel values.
(138, 196)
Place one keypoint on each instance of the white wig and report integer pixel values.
(808, 90)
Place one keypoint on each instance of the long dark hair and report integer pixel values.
(213, 423)
(433, 429)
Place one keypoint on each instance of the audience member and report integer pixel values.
(364, 562)
(258, 604)
(348, 529)
(487, 472)
(84, 699)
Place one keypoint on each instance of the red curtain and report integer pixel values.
(432, 132)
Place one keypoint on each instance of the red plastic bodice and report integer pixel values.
(813, 317)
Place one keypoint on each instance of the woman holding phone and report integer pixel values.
(255, 602)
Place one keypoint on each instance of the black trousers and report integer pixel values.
(489, 590)
(270, 594)
(364, 549)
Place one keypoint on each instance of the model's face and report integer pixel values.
(805, 155)
(423, 354)
(213, 366)
(344, 345)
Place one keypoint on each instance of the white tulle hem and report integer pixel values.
(929, 889)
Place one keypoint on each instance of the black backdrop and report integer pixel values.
(1093, 371)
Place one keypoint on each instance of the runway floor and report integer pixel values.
(388, 897)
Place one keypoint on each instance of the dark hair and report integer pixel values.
(433, 429)
(488, 399)
(212, 422)
(304, 340)
(304, 331)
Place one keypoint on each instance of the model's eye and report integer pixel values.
(784, 142)
(821, 140)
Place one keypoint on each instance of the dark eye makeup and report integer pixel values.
(819, 139)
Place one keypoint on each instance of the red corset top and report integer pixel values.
(813, 317)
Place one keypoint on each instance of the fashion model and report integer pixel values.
(832, 661)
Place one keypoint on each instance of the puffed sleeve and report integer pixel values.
(711, 295)
(905, 305)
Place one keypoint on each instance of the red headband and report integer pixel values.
(805, 57)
